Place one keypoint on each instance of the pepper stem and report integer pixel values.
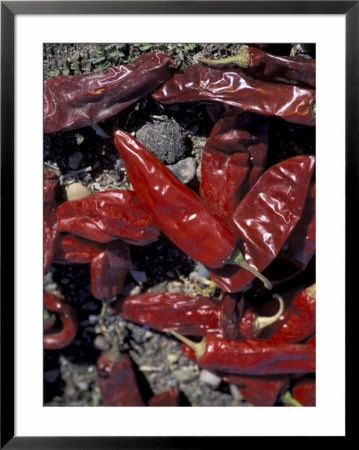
(242, 59)
(197, 347)
(261, 322)
(290, 400)
(238, 259)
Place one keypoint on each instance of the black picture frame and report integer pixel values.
(9, 10)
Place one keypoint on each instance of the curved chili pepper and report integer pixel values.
(106, 216)
(74, 250)
(232, 159)
(258, 63)
(116, 380)
(75, 101)
(55, 339)
(304, 391)
(234, 87)
(168, 398)
(266, 216)
(177, 210)
(50, 231)
(297, 322)
(260, 390)
(251, 357)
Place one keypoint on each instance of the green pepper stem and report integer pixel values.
(197, 347)
(290, 400)
(238, 259)
(242, 59)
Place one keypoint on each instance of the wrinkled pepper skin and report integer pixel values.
(50, 231)
(168, 398)
(233, 87)
(304, 391)
(163, 311)
(74, 250)
(260, 64)
(260, 390)
(186, 314)
(177, 210)
(55, 339)
(76, 101)
(117, 382)
(256, 357)
(266, 216)
(232, 159)
(106, 216)
(108, 272)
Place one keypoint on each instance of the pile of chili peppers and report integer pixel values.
(251, 225)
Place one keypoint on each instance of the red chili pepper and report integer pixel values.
(50, 232)
(59, 338)
(234, 87)
(177, 210)
(232, 159)
(75, 101)
(252, 357)
(260, 390)
(108, 272)
(116, 380)
(258, 63)
(168, 398)
(297, 322)
(106, 216)
(266, 216)
(304, 391)
(110, 262)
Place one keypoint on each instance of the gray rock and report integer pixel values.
(210, 378)
(75, 160)
(184, 375)
(184, 170)
(236, 394)
(164, 139)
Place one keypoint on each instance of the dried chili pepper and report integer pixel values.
(50, 232)
(234, 87)
(106, 216)
(266, 216)
(108, 272)
(232, 159)
(297, 322)
(75, 101)
(59, 338)
(251, 357)
(116, 380)
(258, 63)
(168, 398)
(110, 262)
(178, 211)
(304, 391)
(260, 390)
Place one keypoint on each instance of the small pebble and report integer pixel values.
(75, 160)
(83, 385)
(101, 344)
(184, 170)
(76, 190)
(140, 277)
(184, 375)
(172, 358)
(236, 394)
(210, 378)
(51, 375)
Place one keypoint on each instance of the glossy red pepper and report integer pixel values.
(260, 390)
(59, 338)
(189, 315)
(232, 159)
(304, 391)
(178, 211)
(252, 357)
(75, 101)
(260, 64)
(298, 321)
(234, 87)
(117, 381)
(74, 250)
(50, 232)
(168, 398)
(106, 216)
(266, 216)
